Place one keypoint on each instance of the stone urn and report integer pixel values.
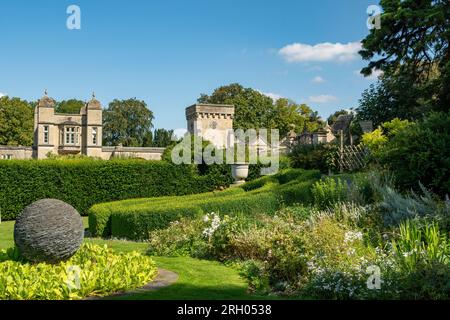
(239, 171)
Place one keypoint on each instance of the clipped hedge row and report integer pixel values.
(135, 218)
(85, 182)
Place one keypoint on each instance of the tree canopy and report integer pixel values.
(254, 110)
(162, 138)
(412, 49)
(127, 122)
(16, 122)
(69, 106)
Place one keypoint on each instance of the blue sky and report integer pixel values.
(168, 52)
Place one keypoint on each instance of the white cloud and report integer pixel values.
(300, 52)
(318, 79)
(374, 76)
(272, 95)
(2, 94)
(324, 98)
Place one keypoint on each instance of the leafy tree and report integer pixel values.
(127, 122)
(162, 138)
(297, 117)
(16, 122)
(254, 110)
(333, 117)
(376, 140)
(412, 49)
(148, 139)
(69, 106)
(393, 97)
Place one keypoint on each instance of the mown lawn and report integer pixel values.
(198, 279)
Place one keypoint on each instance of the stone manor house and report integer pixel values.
(64, 134)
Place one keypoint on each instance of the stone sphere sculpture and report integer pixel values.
(48, 230)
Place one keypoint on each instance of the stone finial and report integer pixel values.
(94, 104)
(46, 101)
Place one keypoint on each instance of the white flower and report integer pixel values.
(351, 236)
(215, 223)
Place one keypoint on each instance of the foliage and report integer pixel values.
(254, 110)
(420, 260)
(349, 188)
(333, 117)
(420, 245)
(324, 254)
(316, 156)
(412, 48)
(329, 191)
(135, 218)
(127, 122)
(162, 138)
(375, 141)
(390, 98)
(420, 153)
(16, 122)
(84, 182)
(92, 271)
(396, 207)
(72, 106)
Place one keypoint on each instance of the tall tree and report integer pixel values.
(162, 138)
(254, 110)
(289, 116)
(127, 122)
(412, 49)
(16, 122)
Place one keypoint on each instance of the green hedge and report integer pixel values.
(134, 218)
(84, 182)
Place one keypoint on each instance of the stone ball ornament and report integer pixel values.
(48, 230)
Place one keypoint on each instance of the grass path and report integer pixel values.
(198, 279)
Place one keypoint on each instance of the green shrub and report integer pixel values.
(135, 218)
(420, 153)
(424, 245)
(92, 271)
(85, 182)
(329, 191)
(316, 156)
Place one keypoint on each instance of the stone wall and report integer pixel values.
(10, 152)
(146, 153)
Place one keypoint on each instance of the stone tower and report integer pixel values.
(213, 122)
(45, 133)
(92, 128)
